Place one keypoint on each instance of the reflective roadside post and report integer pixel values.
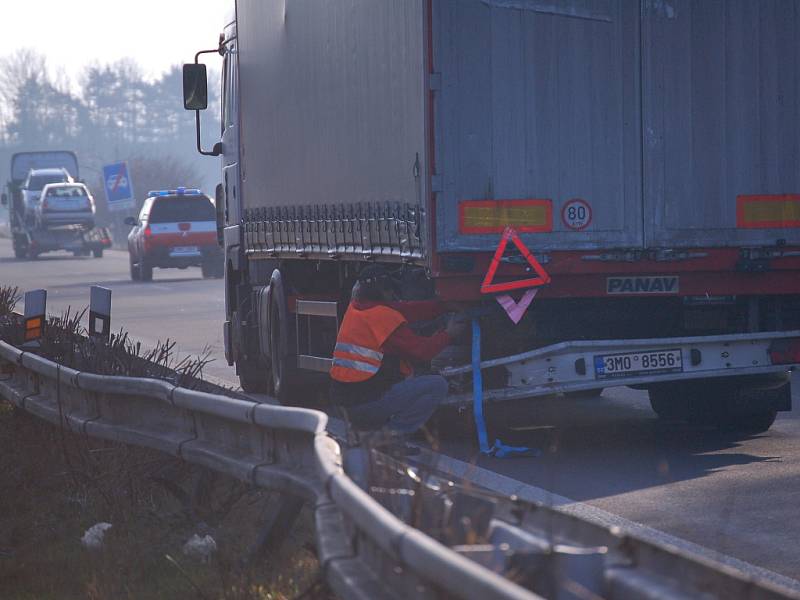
(99, 312)
(34, 317)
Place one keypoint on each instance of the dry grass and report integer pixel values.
(65, 341)
(54, 484)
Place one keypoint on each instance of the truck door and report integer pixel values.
(721, 91)
(230, 131)
(537, 102)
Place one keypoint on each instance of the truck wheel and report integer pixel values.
(135, 275)
(145, 271)
(97, 253)
(670, 402)
(280, 342)
(715, 402)
(254, 377)
(757, 421)
(20, 251)
(746, 405)
(278, 350)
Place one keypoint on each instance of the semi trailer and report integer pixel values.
(71, 229)
(647, 153)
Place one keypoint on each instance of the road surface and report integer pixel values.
(177, 304)
(738, 496)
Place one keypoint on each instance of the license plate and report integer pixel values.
(609, 366)
(184, 250)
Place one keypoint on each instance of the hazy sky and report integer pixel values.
(74, 33)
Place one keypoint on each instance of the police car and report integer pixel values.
(175, 229)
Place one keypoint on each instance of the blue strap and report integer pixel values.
(499, 449)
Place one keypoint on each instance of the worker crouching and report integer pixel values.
(372, 375)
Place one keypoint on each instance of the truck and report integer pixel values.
(643, 153)
(29, 236)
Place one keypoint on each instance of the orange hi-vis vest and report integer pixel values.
(357, 355)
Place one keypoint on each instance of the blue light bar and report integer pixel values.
(181, 191)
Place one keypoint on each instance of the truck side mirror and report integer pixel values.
(195, 87)
(195, 96)
(130, 221)
(4, 199)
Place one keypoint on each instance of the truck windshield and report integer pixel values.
(171, 210)
(37, 182)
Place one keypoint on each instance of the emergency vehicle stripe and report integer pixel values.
(356, 365)
(358, 351)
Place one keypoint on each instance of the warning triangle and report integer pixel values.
(542, 278)
(516, 310)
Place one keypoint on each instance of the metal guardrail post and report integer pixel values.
(99, 312)
(35, 315)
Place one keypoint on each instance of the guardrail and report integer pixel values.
(364, 550)
(366, 547)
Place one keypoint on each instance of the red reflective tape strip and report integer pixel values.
(542, 278)
(505, 213)
(759, 211)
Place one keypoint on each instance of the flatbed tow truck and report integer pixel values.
(30, 241)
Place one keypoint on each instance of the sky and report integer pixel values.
(74, 33)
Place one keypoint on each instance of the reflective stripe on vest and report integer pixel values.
(357, 355)
(355, 364)
(358, 350)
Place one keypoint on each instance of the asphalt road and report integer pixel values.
(177, 304)
(738, 496)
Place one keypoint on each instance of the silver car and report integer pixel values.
(65, 204)
(34, 184)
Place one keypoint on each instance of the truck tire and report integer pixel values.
(254, 377)
(20, 251)
(97, 253)
(670, 402)
(714, 402)
(278, 349)
(145, 271)
(749, 405)
(757, 421)
(281, 346)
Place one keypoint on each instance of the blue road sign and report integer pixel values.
(118, 186)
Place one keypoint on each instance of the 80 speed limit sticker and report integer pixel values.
(576, 214)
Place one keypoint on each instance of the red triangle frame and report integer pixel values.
(542, 277)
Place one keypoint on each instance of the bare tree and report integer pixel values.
(16, 69)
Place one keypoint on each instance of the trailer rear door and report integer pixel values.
(538, 104)
(721, 98)
(663, 123)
